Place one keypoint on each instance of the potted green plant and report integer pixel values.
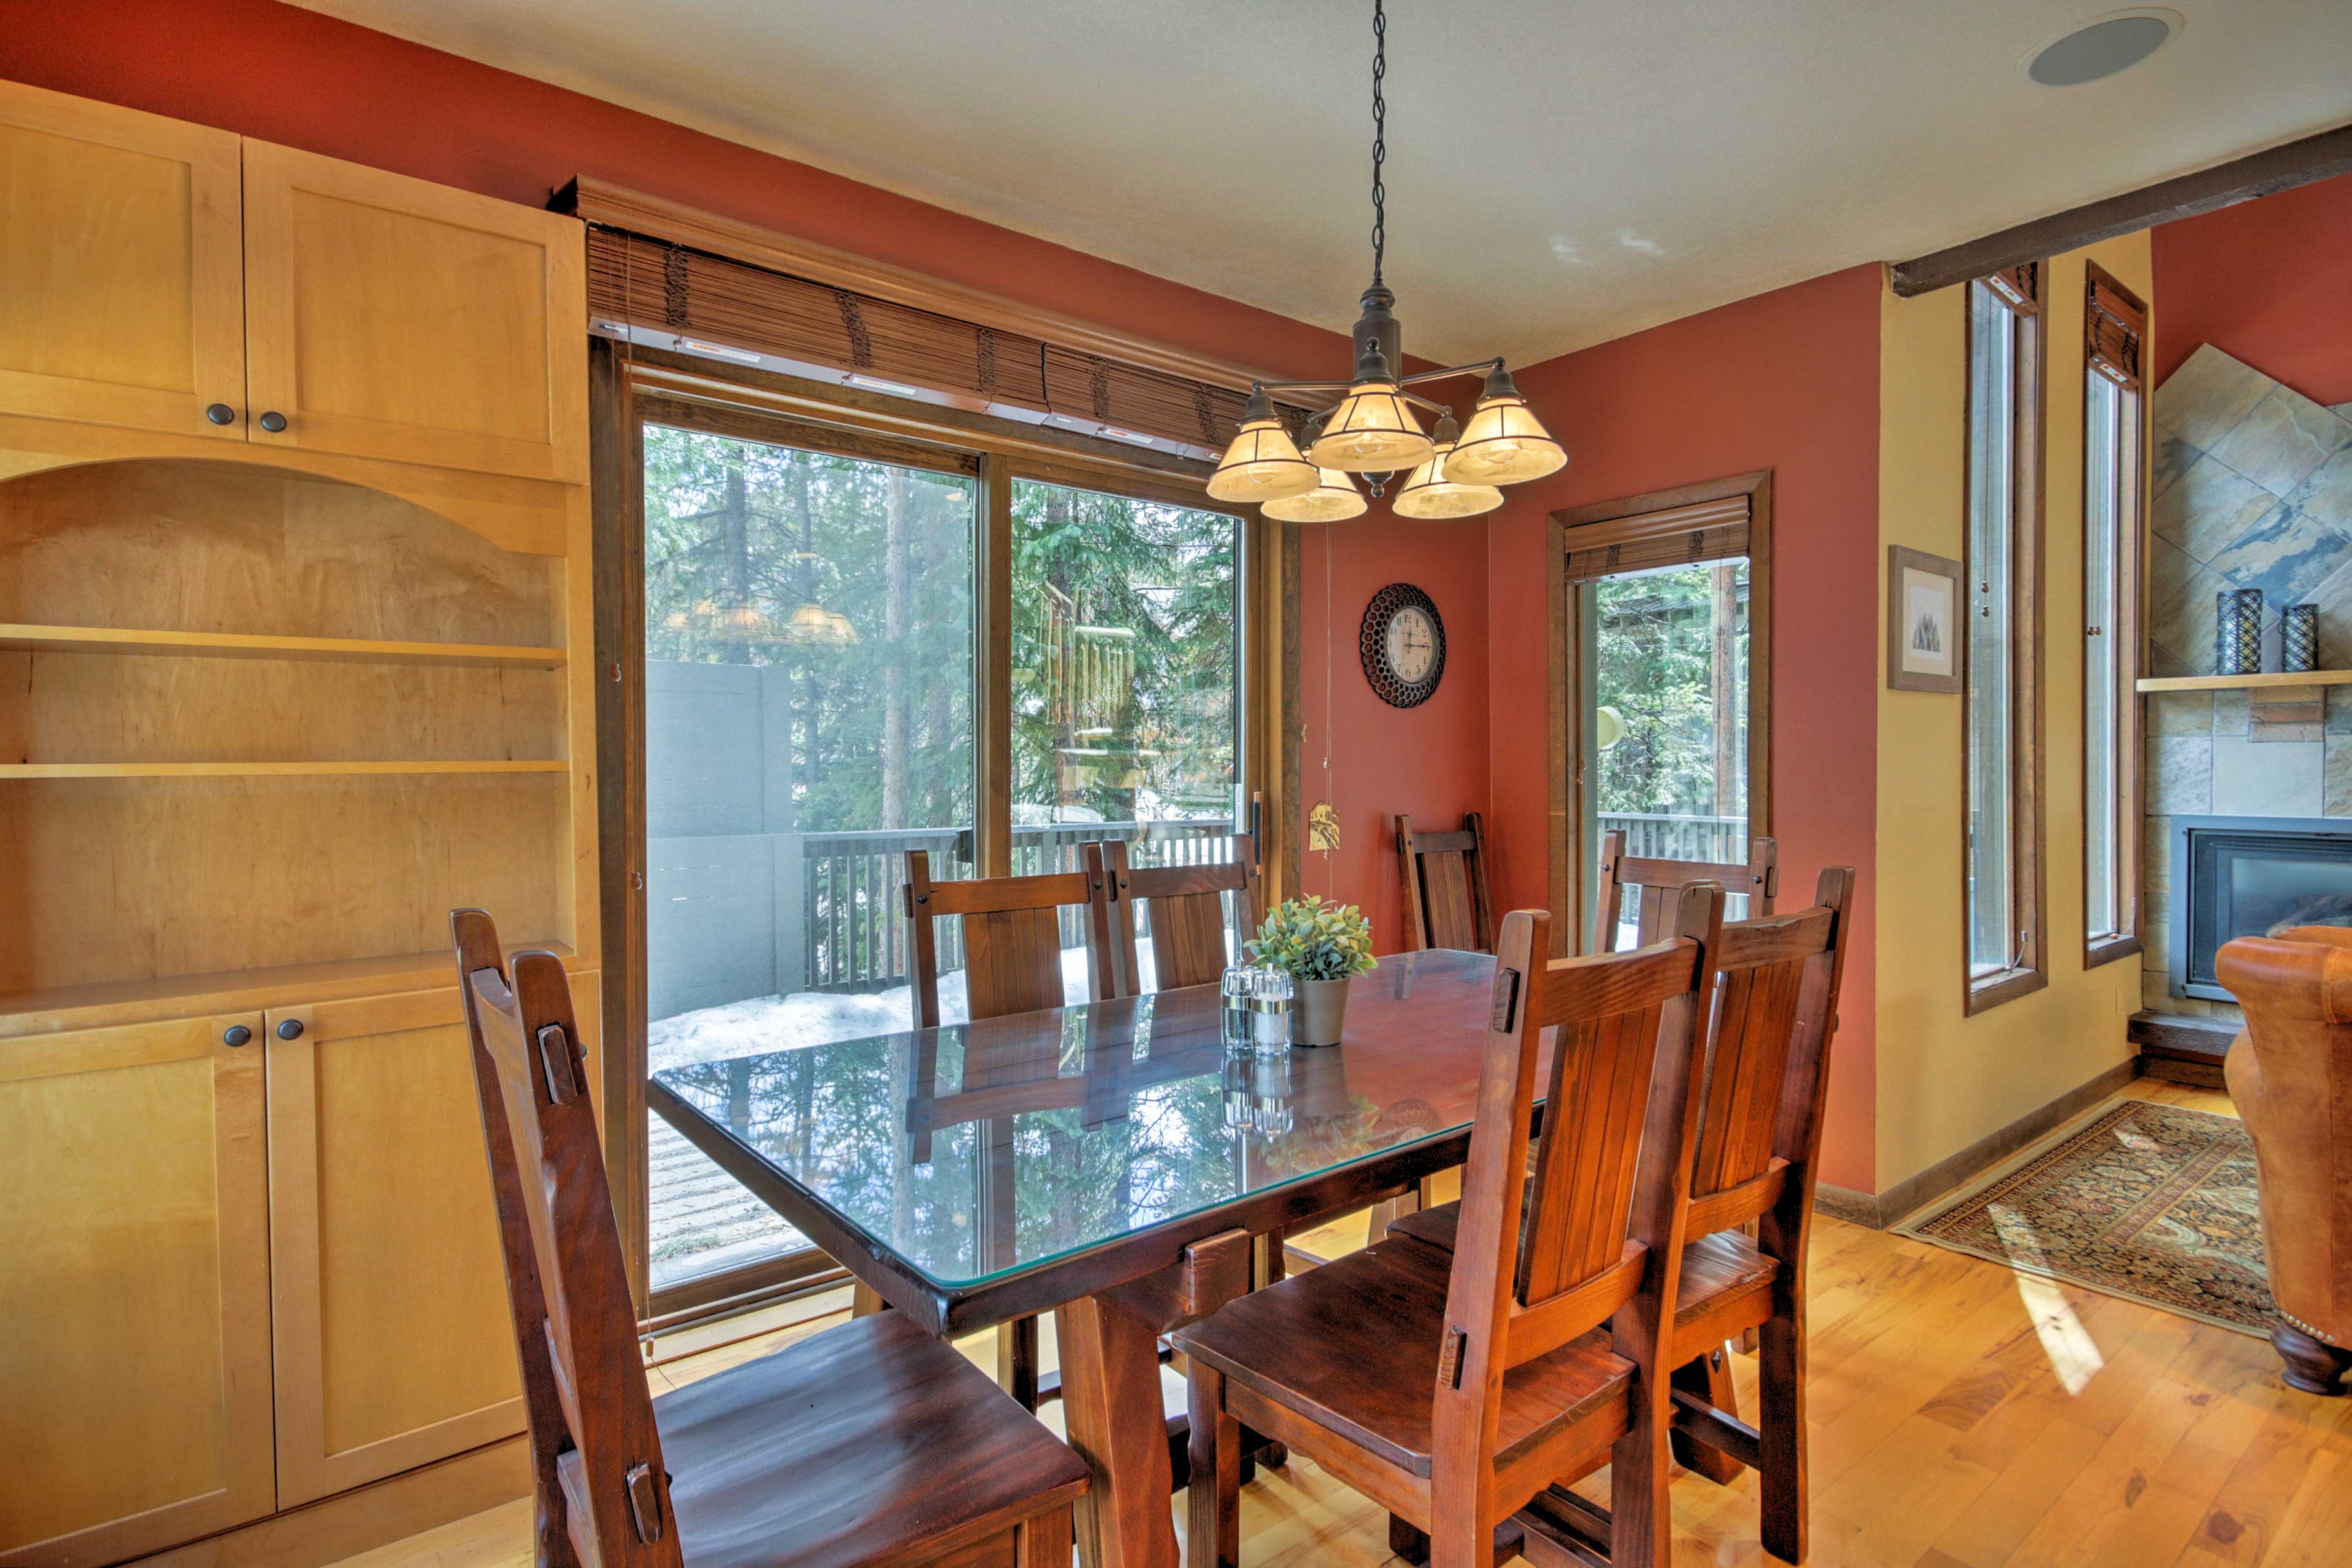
(1320, 945)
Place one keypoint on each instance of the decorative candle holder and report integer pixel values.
(2238, 632)
(2299, 638)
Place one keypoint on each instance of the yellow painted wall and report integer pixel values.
(1946, 1080)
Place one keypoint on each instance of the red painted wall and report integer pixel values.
(2268, 282)
(1786, 380)
(1428, 762)
(272, 71)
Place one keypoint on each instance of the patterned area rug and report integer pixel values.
(2151, 1203)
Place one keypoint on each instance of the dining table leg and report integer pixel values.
(1111, 1411)
(1111, 1408)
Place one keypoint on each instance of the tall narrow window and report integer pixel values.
(2114, 326)
(2002, 765)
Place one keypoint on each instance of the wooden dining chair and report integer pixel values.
(1012, 930)
(1655, 882)
(1777, 983)
(1446, 898)
(806, 1457)
(1455, 1390)
(1184, 908)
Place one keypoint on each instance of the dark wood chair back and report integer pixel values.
(1446, 898)
(1185, 908)
(1778, 979)
(1601, 1240)
(1012, 938)
(1656, 884)
(594, 1443)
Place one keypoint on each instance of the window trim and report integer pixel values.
(2018, 291)
(630, 385)
(2131, 645)
(1565, 786)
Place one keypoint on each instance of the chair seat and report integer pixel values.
(1353, 1347)
(1717, 1270)
(859, 1445)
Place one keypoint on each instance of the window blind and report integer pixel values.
(643, 282)
(2114, 330)
(2018, 288)
(1679, 536)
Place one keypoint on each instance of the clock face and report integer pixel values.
(1402, 645)
(1413, 646)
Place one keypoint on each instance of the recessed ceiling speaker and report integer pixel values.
(2109, 45)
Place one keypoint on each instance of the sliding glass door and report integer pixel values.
(808, 710)
(1126, 713)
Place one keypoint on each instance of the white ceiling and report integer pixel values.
(1560, 172)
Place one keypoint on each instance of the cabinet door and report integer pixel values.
(134, 1371)
(395, 1339)
(389, 317)
(120, 248)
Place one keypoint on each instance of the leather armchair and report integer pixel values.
(2290, 1074)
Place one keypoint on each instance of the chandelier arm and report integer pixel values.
(1477, 367)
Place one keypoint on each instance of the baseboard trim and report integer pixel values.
(1881, 1209)
(366, 1517)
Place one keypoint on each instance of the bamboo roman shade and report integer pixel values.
(1679, 536)
(2114, 330)
(653, 283)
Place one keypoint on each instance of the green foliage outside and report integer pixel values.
(1124, 632)
(1655, 632)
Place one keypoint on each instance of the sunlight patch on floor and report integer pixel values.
(2073, 1354)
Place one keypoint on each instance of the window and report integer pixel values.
(2003, 823)
(808, 719)
(1126, 694)
(1663, 606)
(863, 633)
(2114, 328)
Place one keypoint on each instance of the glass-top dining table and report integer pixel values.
(1110, 1162)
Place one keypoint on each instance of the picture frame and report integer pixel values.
(1925, 603)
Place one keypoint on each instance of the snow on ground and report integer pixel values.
(812, 1018)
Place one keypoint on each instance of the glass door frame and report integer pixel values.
(631, 386)
(1571, 685)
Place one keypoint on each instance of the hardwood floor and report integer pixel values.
(1964, 1417)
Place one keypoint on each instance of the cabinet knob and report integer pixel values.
(289, 1029)
(235, 1034)
(221, 413)
(273, 421)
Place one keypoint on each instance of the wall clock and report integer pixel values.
(1403, 645)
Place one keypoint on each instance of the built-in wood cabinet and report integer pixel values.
(395, 1346)
(171, 278)
(389, 317)
(134, 1370)
(122, 244)
(273, 701)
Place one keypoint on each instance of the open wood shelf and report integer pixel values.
(2239, 683)
(241, 990)
(268, 770)
(18, 638)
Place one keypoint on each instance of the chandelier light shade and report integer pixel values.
(1505, 442)
(1334, 500)
(1430, 495)
(1372, 428)
(1263, 464)
(811, 626)
(1373, 431)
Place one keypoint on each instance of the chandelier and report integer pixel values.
(1452, 470)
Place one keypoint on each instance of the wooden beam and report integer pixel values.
(2263, 174)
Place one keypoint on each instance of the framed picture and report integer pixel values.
(1923, 622)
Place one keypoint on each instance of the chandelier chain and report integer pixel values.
(1379, 136)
